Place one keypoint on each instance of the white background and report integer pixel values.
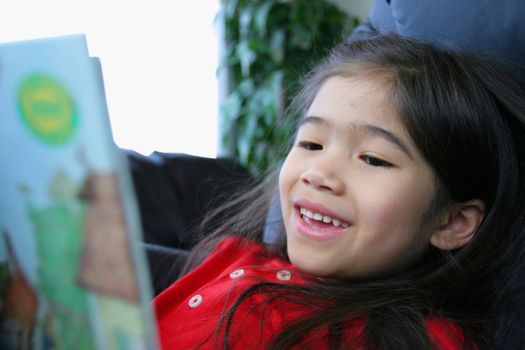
(159, 61)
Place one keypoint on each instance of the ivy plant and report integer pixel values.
(269, 45)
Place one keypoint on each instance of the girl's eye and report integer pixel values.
(310, 146)
(375, 161)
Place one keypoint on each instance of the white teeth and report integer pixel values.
(307, 213)
(324, 218)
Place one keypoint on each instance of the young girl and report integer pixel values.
(402, 204)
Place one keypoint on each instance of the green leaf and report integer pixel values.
(245, 20)
(229, 8)
(276, 86)
(277, 47)
(246, 88)
(258, 45)
(230, 108)
(246, 56)
(301, 38)
(261, 17)
(245, 140)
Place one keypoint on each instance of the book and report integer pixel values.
(72, 272)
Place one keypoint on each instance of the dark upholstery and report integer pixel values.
(165, 265)
(175, 191)
(494, 28)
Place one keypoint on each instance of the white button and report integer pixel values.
(195, 301)
(284, 275)
(237, 273)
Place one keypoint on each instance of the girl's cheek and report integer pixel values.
(387, 208)
(381, 213)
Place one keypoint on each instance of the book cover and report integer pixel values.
(72, 275)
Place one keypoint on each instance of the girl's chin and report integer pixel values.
(309, 262)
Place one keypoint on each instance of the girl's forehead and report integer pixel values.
(355, 101)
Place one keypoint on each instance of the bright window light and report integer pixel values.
(159, 60)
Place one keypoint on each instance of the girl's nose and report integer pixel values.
(323, 177)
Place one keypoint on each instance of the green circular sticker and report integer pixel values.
(47, 109)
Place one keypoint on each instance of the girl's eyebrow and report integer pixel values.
(369, 129)
(376, 131)
(312, 120)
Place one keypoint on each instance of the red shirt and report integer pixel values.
(189, 311)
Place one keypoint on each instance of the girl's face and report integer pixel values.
(354, 187)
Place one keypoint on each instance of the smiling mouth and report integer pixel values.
(308, 215)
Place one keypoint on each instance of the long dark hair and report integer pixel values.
(466, 117)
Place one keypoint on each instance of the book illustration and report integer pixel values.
(18, 313)
(47, 108)
(83, 285)
(106, 266)
(58, 232)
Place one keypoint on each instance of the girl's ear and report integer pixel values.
(459, 225)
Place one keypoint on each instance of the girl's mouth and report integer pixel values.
(318, 226)
(305, 213)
